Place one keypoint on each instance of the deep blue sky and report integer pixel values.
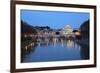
(55, 20)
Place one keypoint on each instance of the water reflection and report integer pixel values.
(53, 49)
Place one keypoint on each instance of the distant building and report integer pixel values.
(67, 30)
(76, 32)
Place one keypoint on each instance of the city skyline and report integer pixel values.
(55, 20)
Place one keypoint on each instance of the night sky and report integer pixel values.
(55, 20)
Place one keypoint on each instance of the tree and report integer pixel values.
(85, 29)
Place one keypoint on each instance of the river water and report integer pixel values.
(54, 49)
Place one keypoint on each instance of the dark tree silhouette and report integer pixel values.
(85, 29)
(26, 28)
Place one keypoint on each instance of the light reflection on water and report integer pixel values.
(54, 49)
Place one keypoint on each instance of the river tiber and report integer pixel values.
(54, 36)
